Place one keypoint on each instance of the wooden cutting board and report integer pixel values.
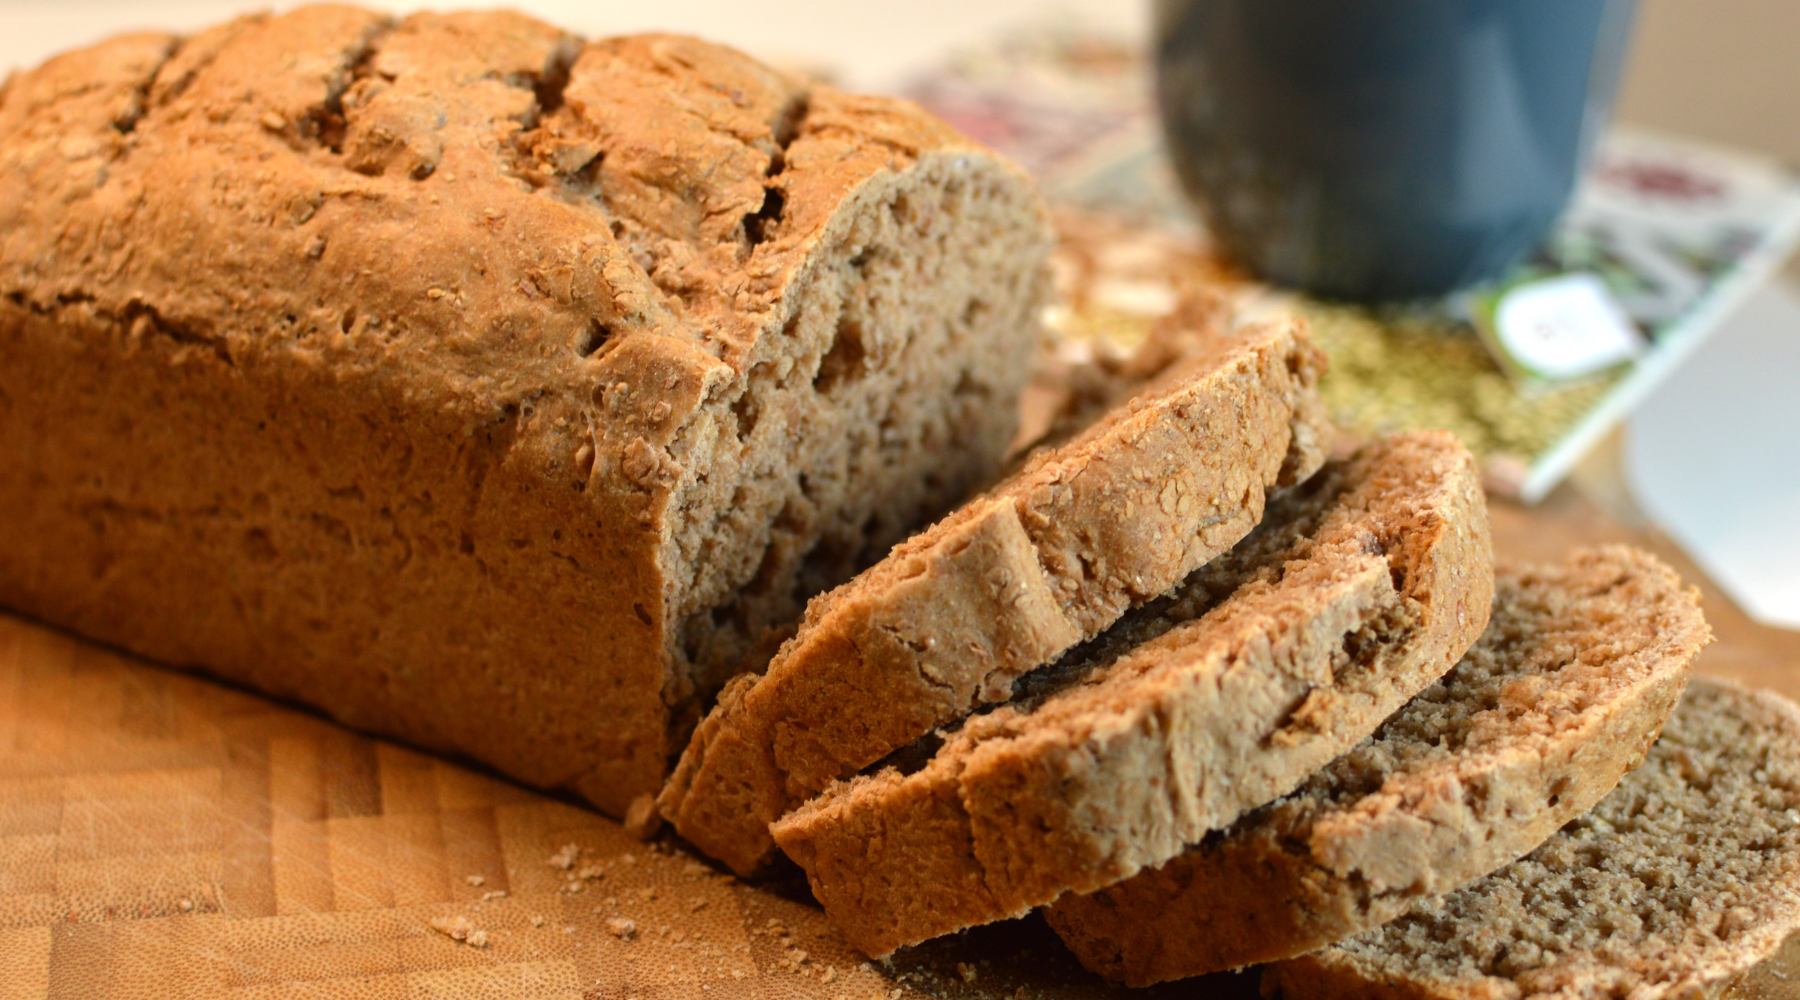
(163, 835)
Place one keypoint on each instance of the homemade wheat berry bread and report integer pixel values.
(1685, 875)
(479, 385)
(1579, 667)
(1359, 589)
(1050, 556)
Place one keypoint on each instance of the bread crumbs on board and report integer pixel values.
(458, 928)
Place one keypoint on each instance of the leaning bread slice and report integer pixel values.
(1579, 668)
(1685, 875)
(1049, 557)
(1359, 589)
(1076, 381)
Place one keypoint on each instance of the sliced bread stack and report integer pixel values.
(1683, 877)
(1213, 702)
(1563, 694)
(1357, 590)
(1050, 557)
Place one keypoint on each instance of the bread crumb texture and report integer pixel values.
(1359, 588)
(1579, 667)
(1048, 557)
(1685, 875)
(483, 385)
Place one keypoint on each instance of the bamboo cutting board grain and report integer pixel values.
(166, 836)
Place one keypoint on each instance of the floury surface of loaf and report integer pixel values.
(1050, 556)
(1580, 666)
(1358, 589)
(481, 385)
(1687, 874)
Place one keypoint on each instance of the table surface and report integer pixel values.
(163, 834)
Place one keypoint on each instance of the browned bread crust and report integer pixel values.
(479, 385)
(1580, 666)
(1049, 557)
(1359, 589)
(1684, 876)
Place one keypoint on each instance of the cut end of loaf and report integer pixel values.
(884, 396)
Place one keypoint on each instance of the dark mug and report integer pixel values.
(1384, 149)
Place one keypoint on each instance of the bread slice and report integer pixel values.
(1047, 558)
(1685, 875)
(1359, 589)
(477, 384)
(1075, 381)
(1579, 667)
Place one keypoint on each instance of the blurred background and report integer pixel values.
(1720, 69)
(1723, 70)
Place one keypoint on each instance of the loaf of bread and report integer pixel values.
(1050, 556)
(479, 385)
(1579, 668)
(1686, 875)
(1359, 589)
